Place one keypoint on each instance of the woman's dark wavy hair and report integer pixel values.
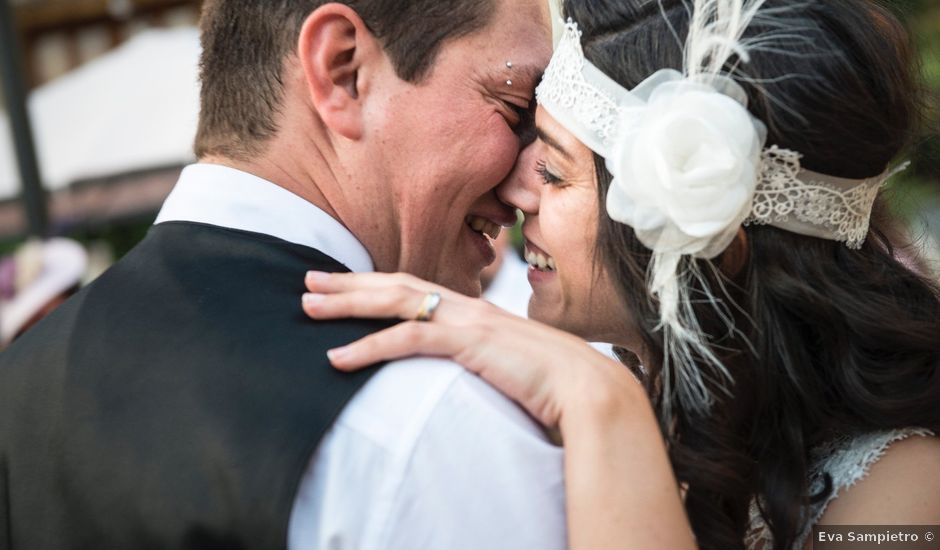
(834, 341)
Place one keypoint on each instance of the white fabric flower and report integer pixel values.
(685, 167)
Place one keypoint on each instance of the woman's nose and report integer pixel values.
(521, 188)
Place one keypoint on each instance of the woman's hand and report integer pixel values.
(621, 492)
(546, 370)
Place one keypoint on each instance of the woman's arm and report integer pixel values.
(621, 492)
(620, 486)
(902, 488)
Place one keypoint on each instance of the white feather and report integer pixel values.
(714, 51)
(715, 34)
(689, 362)
(692, 370)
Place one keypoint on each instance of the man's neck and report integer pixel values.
(290, 176)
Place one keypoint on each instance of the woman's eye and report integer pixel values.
(547, 176)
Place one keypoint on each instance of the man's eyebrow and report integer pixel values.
(551, 142)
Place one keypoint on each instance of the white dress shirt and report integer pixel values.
(425, 455)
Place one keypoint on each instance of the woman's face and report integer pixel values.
(554, 184)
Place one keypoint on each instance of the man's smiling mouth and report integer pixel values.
(483, 226)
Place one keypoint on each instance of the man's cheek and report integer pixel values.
(502, 150)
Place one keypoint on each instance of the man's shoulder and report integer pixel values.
(432, 398)
(437, 458)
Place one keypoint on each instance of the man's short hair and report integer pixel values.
(246, 42)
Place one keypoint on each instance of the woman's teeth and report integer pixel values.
(538, 261)
(484, 226)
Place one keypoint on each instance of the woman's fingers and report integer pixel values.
(490, 353)
(394, 302)
(402, 340)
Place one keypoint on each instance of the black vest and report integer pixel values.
(175, 402)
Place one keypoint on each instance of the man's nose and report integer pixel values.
(521, 189)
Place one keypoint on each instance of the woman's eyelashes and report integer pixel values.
(547, 176)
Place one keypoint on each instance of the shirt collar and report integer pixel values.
(219, 195)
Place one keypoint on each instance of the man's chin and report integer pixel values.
(470, 287)
(466, 281)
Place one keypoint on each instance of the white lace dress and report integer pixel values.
(847, 461)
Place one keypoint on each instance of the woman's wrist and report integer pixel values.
(618, 475)
(610, 396)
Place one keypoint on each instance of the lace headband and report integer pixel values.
(601, 113)
(689, 168)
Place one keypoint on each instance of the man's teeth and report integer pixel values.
(538, 261)
(483, 225)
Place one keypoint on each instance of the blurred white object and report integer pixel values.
(100, 258)
(45, 270)
(131, 109)
(554, 8)
(510, 288)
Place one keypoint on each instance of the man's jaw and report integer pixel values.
(459, 268)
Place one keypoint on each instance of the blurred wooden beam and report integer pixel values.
(68, 18)
(55, 15)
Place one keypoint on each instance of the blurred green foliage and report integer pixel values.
(920, 186)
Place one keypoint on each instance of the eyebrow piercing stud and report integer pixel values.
(509, 66)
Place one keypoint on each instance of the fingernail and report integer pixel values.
(312, 299)
(338, 354)
(317, 276)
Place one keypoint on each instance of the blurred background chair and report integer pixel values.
(35, 280)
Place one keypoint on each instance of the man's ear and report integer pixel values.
(334, 46)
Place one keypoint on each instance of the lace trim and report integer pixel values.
(592, 106)
(590, 109)
(788, 197)
(847, 461)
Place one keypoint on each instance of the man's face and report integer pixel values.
(445, 143)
